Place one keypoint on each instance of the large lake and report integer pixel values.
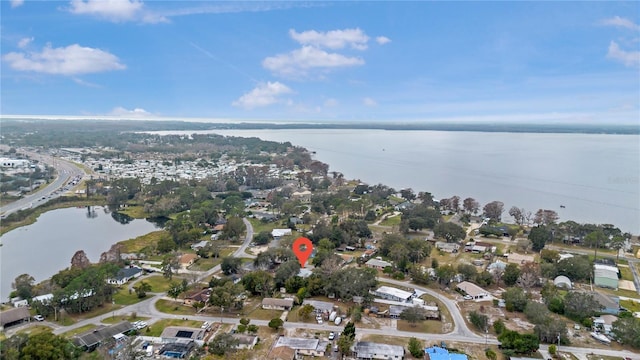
(595, 176)
(46, 246)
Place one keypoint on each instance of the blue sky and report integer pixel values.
(542, 62)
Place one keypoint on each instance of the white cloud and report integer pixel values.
(115, 10)
(331, 103)
(299, 61)
(628, 58)
(71, 60)
(618, 21)
(383, 40)
(24, 42)
(263, 95)
(334, 39)
(122, 112)
(85, 83)
(369, 102)
(16, 3)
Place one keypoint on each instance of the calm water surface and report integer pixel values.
(595, 176)
(46, 246)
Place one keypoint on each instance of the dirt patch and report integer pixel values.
(257, 249)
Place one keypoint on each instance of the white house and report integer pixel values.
(393, 294)
(278, 233)
(124, 275)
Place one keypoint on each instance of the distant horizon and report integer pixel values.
(213, 120)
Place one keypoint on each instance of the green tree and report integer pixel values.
(519, 343)
(580, 305)
(258, 282)
(222, 343)
(449, 231)
(480, 321)
(305, 311)
(276, 323)
(252, 329)
(539, 236)
(227, 296)
(627, 329)
(575, 268)
(552, 349)
(511, 274)
(230, 265)
(285, 271)
(23, 284)
(175, 290)
(536, 312)
(233, 229)
(498, 326)
(142, 288)
(416, 348)
(515, 299)
(262, 238)
(413, 315)
(47, 346)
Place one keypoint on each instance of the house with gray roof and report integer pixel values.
(13, 317)
(92, 339)
(124, 275)
(371, 350)
(277, 304)
(303, 346)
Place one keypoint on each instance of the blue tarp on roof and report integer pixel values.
(438, 353)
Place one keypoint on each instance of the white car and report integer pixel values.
(468, 297)
(332, 335)
(38, 318)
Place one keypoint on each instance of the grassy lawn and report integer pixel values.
(104, 309)
(206, 264)
(123, 297)
(626, 273)
(37, 329)
(159, 283)
(620, 292)
(79, 330)
(259, 226)
(426, 326)
(602, 357)
(264, 314)
(391, 221)
(137, 244)
(630, 305)
(136, 212)
(174, 307)
(156, 328)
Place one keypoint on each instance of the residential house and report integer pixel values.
(277, 304)
(92, 339)
(180, 334)
(45, 299)
(319, 306)
(304, 196)
(431, 312)
(279, 233)
(124, 275)
(177, 350)
(245, 341)
(197, 297)
(303, 346)
(438, 353)
(451, 248)
(377, 264)
(473, 290)
(13, 317)
(605, 276)
(199, 245)
(187, 260)
(371, 350)
(610, 304)
(393, 294)
(497, 266)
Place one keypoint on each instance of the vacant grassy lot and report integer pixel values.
(264, 314)
(136, 212)
(174, 307)
(120, 318)
(427, 326)
(630, 305)
(148, 240)
(259, 226)
(123, 297)
(625, 272)
(156, 328)
(36, 329)
(159, 283)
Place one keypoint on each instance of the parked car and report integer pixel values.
(332, 335)
(468, 297)
(38, 317)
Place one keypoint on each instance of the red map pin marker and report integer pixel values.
(303, 248)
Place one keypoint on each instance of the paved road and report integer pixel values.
(65, 171)
(460, 326)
